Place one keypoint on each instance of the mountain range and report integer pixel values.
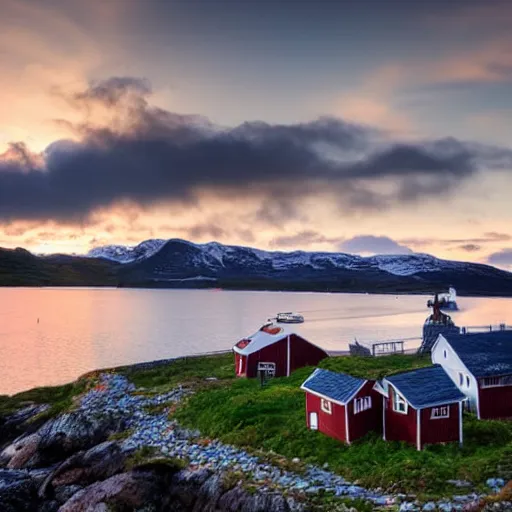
(178, 263)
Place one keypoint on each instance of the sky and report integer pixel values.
(368, 126)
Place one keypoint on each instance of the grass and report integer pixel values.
(272, 418)
(186, 370)
(59, 398)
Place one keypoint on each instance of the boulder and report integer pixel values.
(84, 468)
(209, 494)
(74, 431)
(126, 491)
(98, 463)
(185, 485)
(17, 492)
(23, 421)
(262, 502)
(66, 492)
(23, 453)
(233, 500)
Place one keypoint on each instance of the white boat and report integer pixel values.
(289, 318)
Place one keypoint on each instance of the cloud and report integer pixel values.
(470, 247)
(303, 239)
(369, 244)
(485, 238)
(501, 258)
(146, 155)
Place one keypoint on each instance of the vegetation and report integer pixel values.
(59, 398)
(270, 421)
(21, 268)
(272, 418)
(185, 370)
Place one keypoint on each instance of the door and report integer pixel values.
(313, 421)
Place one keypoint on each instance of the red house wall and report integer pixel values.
(303, 353)
(275, 353)
(400, 427)
(238, 357)
(441, 430)
(495, 402)
(332, 425)
(371, 419)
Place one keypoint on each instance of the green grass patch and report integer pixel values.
(272, 418)
(182, 371)
(59, 398)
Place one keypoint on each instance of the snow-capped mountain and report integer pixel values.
(175, 261)
(127, 254)
(214, 256)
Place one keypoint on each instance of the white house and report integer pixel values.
(481, 367)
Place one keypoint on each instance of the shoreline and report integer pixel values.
(476, 295)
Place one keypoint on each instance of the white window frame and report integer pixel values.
(326, 406)
(362, 404)
(496, 382)
(440, 412)
(398, 401)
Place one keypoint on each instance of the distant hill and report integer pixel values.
(19, 267)
(181, 264)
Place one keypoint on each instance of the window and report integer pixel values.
(492, 382)
(399, 403)
(445, 354)
(326, 406)
(468, 382)
(461, 379)
(440, 412)
(362, 404)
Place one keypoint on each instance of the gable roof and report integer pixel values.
(338, 387)
(262, 338)
(484, 354)
(426, 387)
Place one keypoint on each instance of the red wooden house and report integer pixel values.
(275, 351)
(480, 365)
(421, 407)
(341, 406)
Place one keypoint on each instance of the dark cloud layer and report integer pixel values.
(155, 155)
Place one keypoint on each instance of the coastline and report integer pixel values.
(147, 414)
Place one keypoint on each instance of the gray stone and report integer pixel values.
(17, 491)
(233, 500)
(128, 490)
(65, 492)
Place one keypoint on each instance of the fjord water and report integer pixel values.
(53, 335)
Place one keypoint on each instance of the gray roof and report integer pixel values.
(484, 354)
(426, 387)
(336, 386)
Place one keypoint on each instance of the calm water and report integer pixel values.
(81, 329)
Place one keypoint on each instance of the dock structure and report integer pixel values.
(379, 348)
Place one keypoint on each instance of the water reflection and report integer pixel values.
(81, 329)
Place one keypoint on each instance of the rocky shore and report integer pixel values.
(119, 449)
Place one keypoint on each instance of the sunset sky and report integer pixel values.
(366, 126)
